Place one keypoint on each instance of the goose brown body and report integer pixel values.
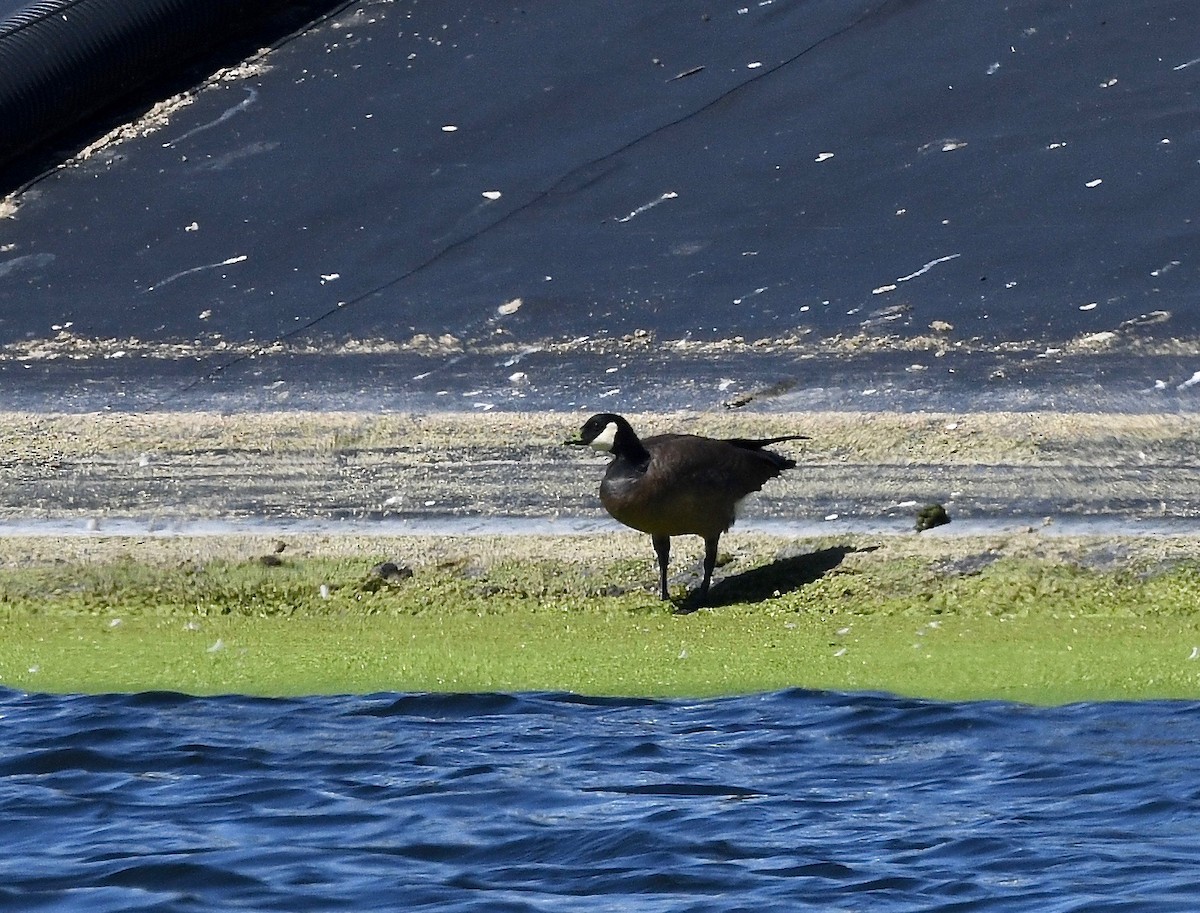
(691, 486)
(679, 484)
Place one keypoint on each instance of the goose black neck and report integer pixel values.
(627, 446)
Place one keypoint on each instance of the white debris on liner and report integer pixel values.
(509, 307)
(195, 269)
(1190, 382)
(922, 271)
(927, 267)
(757, 291)
(1094, 183)
(669, 195)
(492, 194)
(823, 157)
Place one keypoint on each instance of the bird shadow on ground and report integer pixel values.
(783, 575)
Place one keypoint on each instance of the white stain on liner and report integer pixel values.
(669, 195)
(196, 269)
(921, 272)
(28, 261)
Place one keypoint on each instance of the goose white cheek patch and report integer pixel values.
(605, 439)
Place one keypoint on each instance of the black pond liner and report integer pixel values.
(61, 60)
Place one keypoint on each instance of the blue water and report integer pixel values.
(790, 801)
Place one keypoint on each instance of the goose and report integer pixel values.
(679, 484)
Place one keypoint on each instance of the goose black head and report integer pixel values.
(600, 431)
(610, 433)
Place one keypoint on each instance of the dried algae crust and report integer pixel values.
(354, 465)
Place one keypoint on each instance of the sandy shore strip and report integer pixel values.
(161, 468)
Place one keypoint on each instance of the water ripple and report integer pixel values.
(796, 800)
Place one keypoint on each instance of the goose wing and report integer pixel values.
(693, 463)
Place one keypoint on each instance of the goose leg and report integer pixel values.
(662, 548)
(710, 562)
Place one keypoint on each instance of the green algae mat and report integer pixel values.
(1026, 616)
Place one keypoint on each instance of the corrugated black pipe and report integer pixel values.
(61, 60)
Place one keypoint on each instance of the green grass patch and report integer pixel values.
(973, 625)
